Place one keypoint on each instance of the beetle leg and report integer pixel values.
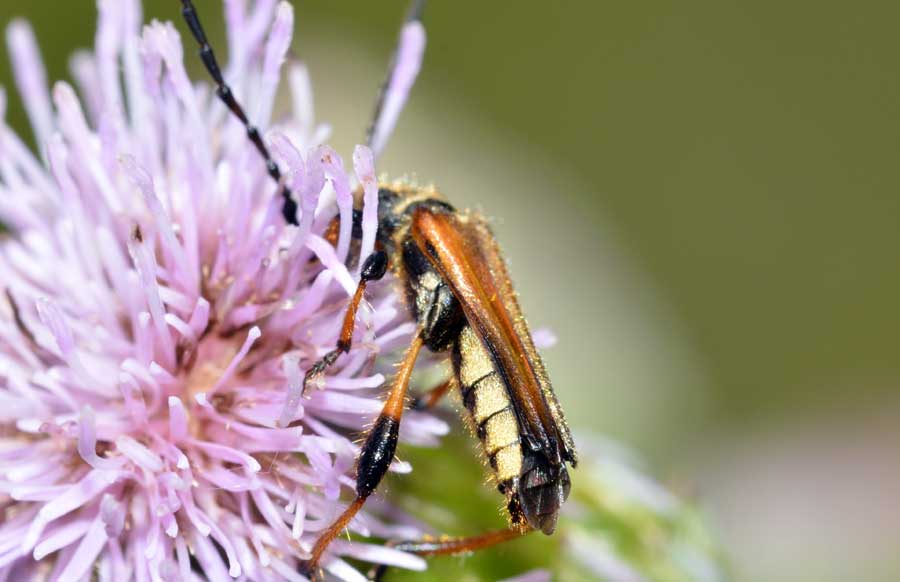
(373, 269)
(445, 545)
(429, 399)
(375, 456)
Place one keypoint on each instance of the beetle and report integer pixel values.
(459, 293)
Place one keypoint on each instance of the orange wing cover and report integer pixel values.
(463, 250)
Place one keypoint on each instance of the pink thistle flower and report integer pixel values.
(158, 316)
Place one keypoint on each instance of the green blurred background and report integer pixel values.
(699, 198)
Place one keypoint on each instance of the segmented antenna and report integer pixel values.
(401, 73)
(289, 207)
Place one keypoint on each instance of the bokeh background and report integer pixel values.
(699, 198)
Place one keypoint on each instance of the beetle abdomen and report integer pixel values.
(487, 401)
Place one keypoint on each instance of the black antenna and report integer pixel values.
(289, 207)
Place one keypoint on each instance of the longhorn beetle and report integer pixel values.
(458, 291)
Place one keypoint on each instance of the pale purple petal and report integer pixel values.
(112, 512)
(178, 419)
(139, 454)
(88, 550)
(87, 442)
(328, 256)
(382, 555)
(276, 49)
(544, 338)
(539, 575)
(301, 92)
(294, 392)
(410, 51)
(253, 335)
(333, 166)
(61, 537)
(364, 164)
(600, 558)
(167, 314)
(31, 77)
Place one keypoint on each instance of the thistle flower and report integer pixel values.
(158, 315)
(618, 525)
(624, 526)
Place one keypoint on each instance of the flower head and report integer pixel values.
(158, 316)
